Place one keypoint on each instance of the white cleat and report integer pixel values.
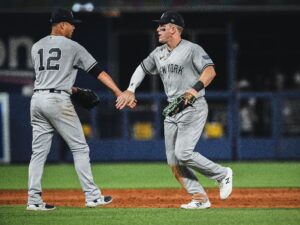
(103, 200)
(40, 207)
(196, 205)
(225, 185)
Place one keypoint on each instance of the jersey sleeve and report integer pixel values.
(35, 58)
(83, 59)
(32, 55)
(148, 64)
(201, 59)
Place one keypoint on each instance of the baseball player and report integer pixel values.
(184, 68)
(56, 59)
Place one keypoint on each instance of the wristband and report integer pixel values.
(198, 86)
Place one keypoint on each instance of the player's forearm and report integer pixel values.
(207, 75)
(136, 79)
(109, 83)
(205, 79)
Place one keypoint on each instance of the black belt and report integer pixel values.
(51, 90)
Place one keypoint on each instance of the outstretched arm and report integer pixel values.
(108, 82)
(128, 96)
(106, 79)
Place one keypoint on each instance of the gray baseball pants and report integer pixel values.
(182, 133)
(55, 111)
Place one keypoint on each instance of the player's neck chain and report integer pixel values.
(171, 49)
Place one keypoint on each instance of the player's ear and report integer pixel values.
(173, 29)
(62, 25)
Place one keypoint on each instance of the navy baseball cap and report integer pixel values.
(171, 17)
(62, 15)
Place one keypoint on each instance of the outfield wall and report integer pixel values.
(126, 146)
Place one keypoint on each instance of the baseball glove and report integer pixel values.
(179, 104)
(85, 98)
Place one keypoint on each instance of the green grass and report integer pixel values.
(151, 175)
(66, 216)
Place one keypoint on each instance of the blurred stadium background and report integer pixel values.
(254, 101)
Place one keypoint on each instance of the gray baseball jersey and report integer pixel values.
(179, 69)
(56, 60)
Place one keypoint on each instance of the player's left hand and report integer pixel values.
(85, 98)
(127, 98)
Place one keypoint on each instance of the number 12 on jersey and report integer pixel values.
(54, 55)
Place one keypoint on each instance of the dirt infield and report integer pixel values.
(166, 198)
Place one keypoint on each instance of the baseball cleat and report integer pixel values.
(225, 185)
(196, 205)
(103, 200)
(40, 207)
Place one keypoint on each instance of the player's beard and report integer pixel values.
(70, 34)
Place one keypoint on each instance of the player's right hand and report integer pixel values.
(189, 94)
(127, 98)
